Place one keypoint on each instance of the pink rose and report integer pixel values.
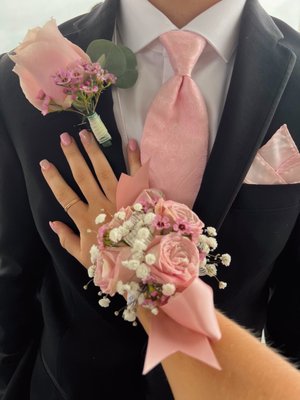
(43, 52)
(177, 260)
(180, 215)
(109, 269)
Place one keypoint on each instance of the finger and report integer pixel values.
(103, 170)
(134, 156)
(80, 170)
(62, 191)
(67, 238)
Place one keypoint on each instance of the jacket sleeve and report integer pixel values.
(283, 319)
(22, 256)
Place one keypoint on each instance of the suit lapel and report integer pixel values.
(262, 69)
(100, 23)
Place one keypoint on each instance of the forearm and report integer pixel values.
(250, 370)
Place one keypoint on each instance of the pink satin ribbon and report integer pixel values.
(187, 323)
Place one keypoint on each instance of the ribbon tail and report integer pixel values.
(129, 187)
(168, 337)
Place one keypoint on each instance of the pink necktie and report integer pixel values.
(175, 136)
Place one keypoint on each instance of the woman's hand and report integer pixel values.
(97, 201)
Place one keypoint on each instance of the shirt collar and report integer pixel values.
(219, 25)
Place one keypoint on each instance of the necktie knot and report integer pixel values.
(183, 48)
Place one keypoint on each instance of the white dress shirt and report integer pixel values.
(139, 25)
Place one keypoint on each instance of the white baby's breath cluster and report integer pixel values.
(94, 253)
(209, 263)
(135, 230)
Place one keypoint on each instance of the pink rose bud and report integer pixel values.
(177, 214)
(109, 269)
(177, 260)
(43, 52)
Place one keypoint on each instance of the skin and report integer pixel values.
(246, 372)
(96, 199)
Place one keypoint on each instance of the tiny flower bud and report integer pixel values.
(211, 231)
(149, 218)
(222, 285)
(226, 259)
(168, 289)
(120, 215)
(150, 258)
(133, 264)
(100, 218)
(104, 302)
(142, 271)
(154, 311)
(202, 271)
(128, 224)
(212, 242)
(129, 315)
(143, 233)
(91, 271)
(139, 245)
(115, 235)
(94, 252)
(211, 270)
(137, 207)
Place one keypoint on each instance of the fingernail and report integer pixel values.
(132, 144)
(45, 164)
(65, 139)
(52, 226)
(85, 136)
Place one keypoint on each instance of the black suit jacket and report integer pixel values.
(55, 341)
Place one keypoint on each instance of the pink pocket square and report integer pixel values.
(277, 162)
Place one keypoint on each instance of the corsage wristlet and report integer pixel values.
(152, 252)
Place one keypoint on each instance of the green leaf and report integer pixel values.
(127, 80)
(130, 57)
(130, 76)
(102, 60)
(115, 60)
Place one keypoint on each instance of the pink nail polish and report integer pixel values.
(132, 144)
(45, 164)
(85, 136)
(65, 139)
(52, 226)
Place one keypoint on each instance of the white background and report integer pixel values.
(17, 16)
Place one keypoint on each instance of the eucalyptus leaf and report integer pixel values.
(102, 60)
(130, 57)
(115, 60)
(130, 76)
(127, 80)
(118, 60)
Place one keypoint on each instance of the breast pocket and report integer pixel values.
(267, 197)
(259, 223)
